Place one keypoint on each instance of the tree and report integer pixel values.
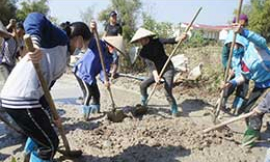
(29, 6)
(128, 12)
(162, 29)
(7, 10)
(87, 15)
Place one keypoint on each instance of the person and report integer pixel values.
(22, 96)
(113, 28)
(21, 51)
(155, 57)
(8, 51)
(255, 66)
(235, 68)
(86, 70)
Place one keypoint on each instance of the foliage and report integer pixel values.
(128, 12)
(7, 10)
(29, 6)
(258, 12)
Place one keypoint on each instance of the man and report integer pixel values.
(113, 29)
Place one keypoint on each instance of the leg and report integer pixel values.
(115, 64)
(95, 103)
(36, 124)
(143, 88)
(241, 93)
(82, 86)
(255, 122)
(168, 77)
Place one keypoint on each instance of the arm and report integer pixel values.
(168, 40)
(5, 34)
(225, 55)
(255, 38)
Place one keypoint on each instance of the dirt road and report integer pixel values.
(154, 137)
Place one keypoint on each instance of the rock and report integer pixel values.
(107, 144)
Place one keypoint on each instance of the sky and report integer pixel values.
(215, 12)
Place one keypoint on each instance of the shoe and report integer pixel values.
(250, 137)
(86, 110)
(95, 109)
(143, 100)
(174, 110)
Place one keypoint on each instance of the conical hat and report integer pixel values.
(3, 28)
(117, 42)
(141, 33)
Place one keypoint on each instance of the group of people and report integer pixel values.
(23, 98)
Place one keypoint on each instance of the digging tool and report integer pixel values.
(171, 55)
(244, 116)
(114, 115)
(226, 78)
(67, 151)
(131, 77)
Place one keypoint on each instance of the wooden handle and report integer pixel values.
(30, 47)
(226, 77)
(228, 122)
(103, 66)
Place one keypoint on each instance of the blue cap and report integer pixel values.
(113, 13)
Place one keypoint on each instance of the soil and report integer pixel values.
(156, 136)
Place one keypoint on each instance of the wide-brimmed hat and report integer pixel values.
(141, 33)
(3, 28)
(117, 42)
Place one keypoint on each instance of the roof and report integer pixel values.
(207, 27)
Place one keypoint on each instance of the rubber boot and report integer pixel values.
(35, 158)
(86, 110)
(95, 109)
(174, 110)
(29, 147)
(143, 100)
(237, 104)
(250, 137)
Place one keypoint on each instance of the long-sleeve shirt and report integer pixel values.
(255, 64)
(8, 53)
(22, 88)
(154, 53)
(89, 66)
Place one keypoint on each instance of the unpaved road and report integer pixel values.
(156, 137)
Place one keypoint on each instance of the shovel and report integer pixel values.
(171, 55)
(226, 78)
(114, 115)
(67, 152)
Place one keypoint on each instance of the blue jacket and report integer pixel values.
(256, 60)
(37, 25)
(237, 53)
(89, 66)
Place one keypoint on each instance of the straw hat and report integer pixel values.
(141, 33)
(3, 28)
(117, 42)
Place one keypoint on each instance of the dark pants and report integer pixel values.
(241, 90)
(254, 122)
(168, 77)
(37, 125)
(90, 92)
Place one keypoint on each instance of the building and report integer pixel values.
(219, 32)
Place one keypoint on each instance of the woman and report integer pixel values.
(155, 57)
(22, 96)
(86, 70)
(255, 65)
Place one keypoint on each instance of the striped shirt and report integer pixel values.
(8, 53)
